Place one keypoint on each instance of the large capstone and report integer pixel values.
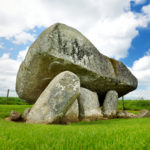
(110, 104)
(89, 108)
(60, 48)
(56, 99)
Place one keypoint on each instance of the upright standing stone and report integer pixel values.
(26, 112)
(56, 99)
(72, 115)
(89, 108)
(110, 104)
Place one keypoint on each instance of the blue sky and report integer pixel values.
(140, 44)
(118, 28)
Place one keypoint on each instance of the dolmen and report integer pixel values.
(68, 79)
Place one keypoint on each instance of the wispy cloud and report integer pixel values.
(110, 25)
(8, 72)
(23, 38)
(141, 69)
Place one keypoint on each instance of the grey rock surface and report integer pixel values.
(56, 99)
(125, 114)
(110, 104)
(143, 113)
(89, 108)
(15, 116)
(61, 48)
(26, 112)
(72, 115)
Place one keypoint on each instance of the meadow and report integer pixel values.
(12, 101)
(114, 134)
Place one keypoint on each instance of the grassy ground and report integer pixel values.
(129, 104)
(6, 109)
(115, 134)
(135, 104)
(12, 101)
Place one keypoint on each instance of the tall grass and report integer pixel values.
(115, 134)
(6, 109)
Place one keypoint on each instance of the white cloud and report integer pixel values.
(8, 72)
(110, 25)
(146, 11)
(139, 94)
(113, 37)
(17, 16)
(139, 1)
(23, 38)
(141, 69)
(22, 54)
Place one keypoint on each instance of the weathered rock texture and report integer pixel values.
(143, 113)
(89, 108)
(26, 112)
(15, 116)
(125, 114)
(56, 99)
(72, 115)
(61, 48)
(110, 104)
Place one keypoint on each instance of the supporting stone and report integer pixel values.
(89, 108)
(56, 99)
(72, 115)
(25, 114)
(110, 104)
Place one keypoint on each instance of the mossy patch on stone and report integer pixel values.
(114, 64)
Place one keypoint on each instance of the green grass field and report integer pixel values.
(115, 134)
(12, 101)
(6, 109)
(129, 104)
(135, 104)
